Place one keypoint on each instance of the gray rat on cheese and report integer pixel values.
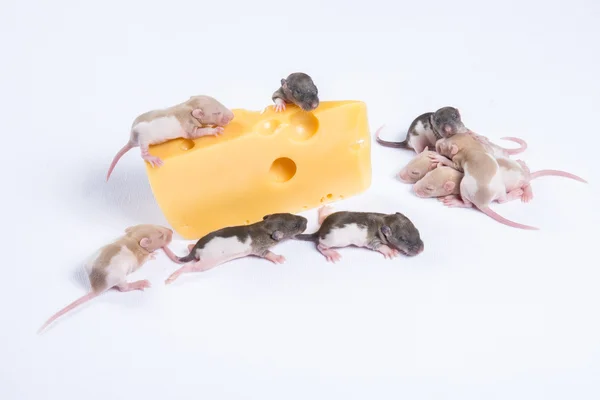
(233, 242)
(299, 89)
(389, 234)
(111, 264)
(191, 119)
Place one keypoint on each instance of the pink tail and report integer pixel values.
(554, 172)
(120, 154)
(516, 140)
(490, 213)
(68, 308)
(172, 256)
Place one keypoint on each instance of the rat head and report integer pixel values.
(441, 181)
(209, 111)
(447, 122)
(401, 234)
(302, 90)
(150, 237)
(416, 168)
(284, 225)
(446, 148)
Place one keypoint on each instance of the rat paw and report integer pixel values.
(275, 258)
(153, 160)
(331, 255)
(388, 252)
(279, 106)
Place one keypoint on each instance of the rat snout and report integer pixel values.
(418, 191)
(226, 118)
(448, 128)
(403, 176)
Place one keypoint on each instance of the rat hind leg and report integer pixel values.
(274, 258)
(129, 286)
(455, 201)
(510, 196)
(331, 255)
(324, 212)
(527, 193)
(153, 160)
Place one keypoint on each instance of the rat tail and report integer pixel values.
(115, 160)
(402, 145)
(516, 140)
(68, 308)
(307, 237)
(555, 172)
(179, 260)
(492, 214)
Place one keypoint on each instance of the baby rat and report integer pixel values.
(482, 182)
(233, 242)
(111, 264)
(517, 178)
(439, 182)
(416, 168)
(388, 234)
(185, 120)
(427, 129)
(298, 88)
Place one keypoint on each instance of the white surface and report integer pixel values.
(486, 312)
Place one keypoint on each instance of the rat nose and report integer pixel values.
(447, 128)
(403, 176)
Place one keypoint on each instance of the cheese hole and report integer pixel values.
(267, 127)
(282, 170)
(186, 144)
(329, 196)
(304, 125)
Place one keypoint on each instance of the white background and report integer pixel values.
(486, 312)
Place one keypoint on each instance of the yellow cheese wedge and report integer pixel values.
(263, 163)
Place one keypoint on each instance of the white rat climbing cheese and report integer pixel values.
(263, 163)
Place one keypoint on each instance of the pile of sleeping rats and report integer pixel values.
(452, 163)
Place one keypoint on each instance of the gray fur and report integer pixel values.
(265, 234)
(299, 89)
(433, 123)
(395, 230)
(450, 117)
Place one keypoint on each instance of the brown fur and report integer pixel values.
(183, 113)
(441, 181)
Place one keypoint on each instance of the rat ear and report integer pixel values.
(449, 186)
(386, 230)
(454, 149)
(277, 235)
(145, 242)
(266, 216)
(197, 113)
(283, 82)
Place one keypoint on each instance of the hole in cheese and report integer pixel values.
(282, 170)
(267, 127)
(305, 125)
(186, 144)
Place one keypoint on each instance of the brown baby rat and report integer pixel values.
(299, 89)
(190, 119)
(388, 234)
(111, 264)
(233, 242)
(482, 182)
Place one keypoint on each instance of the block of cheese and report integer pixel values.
(264, 162)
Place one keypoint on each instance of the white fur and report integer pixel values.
(159, 130)
(469, 185)
(351, 234)
(222, 248)
(420, 128)
(122, 264)
(512, 178)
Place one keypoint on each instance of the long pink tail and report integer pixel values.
(401, 145)
(120, 154)
(68, 308)
(555, 172)
(490, 213)
(172, 256)
(516, 140)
